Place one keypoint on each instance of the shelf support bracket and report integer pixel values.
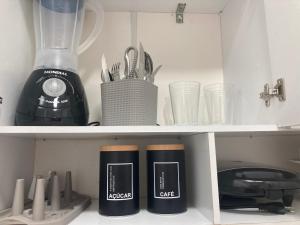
(179, 12)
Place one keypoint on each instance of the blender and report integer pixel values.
(53, 95)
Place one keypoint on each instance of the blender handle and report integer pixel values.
(95, 6)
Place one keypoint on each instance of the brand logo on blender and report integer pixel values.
(120, 196)
(55, 72)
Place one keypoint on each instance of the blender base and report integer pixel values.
(52, 97)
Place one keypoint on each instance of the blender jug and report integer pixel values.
(54, 94)
(58, 27)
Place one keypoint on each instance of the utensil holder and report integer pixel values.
(129, 103)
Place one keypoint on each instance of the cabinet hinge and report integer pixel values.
(269, 93)
(179, 12)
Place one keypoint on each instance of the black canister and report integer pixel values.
(119, 180)
(166, 179)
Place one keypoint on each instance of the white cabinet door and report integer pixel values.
(283, 28)
(246, 58)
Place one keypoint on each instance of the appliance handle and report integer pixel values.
(267, 184)
(96, 7)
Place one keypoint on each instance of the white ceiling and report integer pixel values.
(193, 6)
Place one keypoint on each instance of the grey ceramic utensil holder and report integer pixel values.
(129, 102)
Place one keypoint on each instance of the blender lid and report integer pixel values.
(63, 6)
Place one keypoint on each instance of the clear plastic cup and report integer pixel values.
(221, 102)
(185, 102)
(203, 115)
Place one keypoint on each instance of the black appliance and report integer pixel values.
(52, 98)
(54, 94)
(243, 185)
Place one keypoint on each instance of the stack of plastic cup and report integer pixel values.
(185, 102)
(221, 101)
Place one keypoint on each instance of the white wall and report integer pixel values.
(16, 162)
(16, 59)
(246, 56)
(268, 150)
(188, 51)
(114, 39)
(16, 55)
(193, 6)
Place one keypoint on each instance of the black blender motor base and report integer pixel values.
(52, 97)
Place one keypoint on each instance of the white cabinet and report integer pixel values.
(246, 57)
(245, 42)
(77, 149)
(236, 41)
(283, 28)
(260, 45)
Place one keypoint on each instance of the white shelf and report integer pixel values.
(116, 131)
(254, 217)
(296, 161)
(91, 216)
(193, 6)
(95, 132)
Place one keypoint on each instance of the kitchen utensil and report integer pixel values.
(105, 74)
(54, 94)
(148, 65)
(166, 179)
(185, 102)
(152, 76)
(18, 203)
(142, 71)
(119, 180)
(130, 63)
(221, 102)
(104, 78)
(38, 208)
(115, 71)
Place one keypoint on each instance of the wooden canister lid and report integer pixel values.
(119, 148)
(171, 147)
